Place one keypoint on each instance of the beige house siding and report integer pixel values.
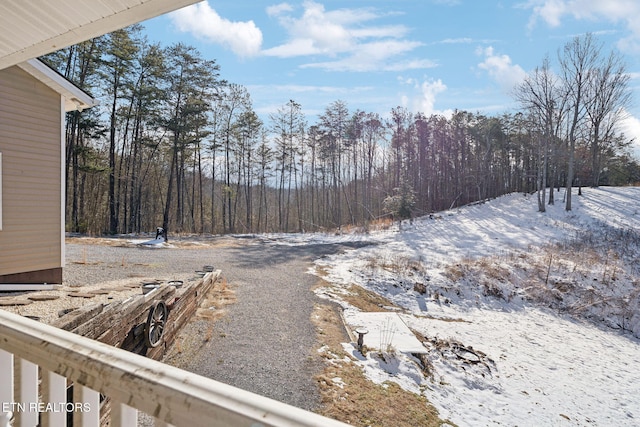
(30, 133)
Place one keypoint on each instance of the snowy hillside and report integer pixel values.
(527, 318)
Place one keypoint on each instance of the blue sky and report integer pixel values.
(432, 56)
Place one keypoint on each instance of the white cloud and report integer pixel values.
(630, 125)
(345, 35)
(429, 90)
(313, 89)
(243, 38)
(316, 31)
(550, 11)
(412, 64)
(459, 40)
(424, 98)
(614, 11)
(293, 48)
(500, 68)
(373, 57)
(279, 9)
(353, 64)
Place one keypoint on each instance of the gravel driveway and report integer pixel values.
(265, 343)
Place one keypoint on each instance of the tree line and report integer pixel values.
(173, 144)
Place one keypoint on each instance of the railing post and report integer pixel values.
(123, 415)
(26, 393)
(54, 391)
(89, 414)
(6, 388)
(5, 419)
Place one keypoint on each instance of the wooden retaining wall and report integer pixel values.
(122, 324)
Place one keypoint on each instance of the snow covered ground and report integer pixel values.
(527, 318)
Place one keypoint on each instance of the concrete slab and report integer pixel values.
(384, 329)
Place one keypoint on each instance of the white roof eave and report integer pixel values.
(30, 29)
(75, 98)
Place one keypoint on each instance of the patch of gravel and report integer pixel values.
(47, 306)
(104, 271)
(266, 341)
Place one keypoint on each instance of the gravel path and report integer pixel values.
(265, 343)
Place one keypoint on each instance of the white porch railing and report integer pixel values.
(37, 360)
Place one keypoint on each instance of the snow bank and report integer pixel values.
(517, 308)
